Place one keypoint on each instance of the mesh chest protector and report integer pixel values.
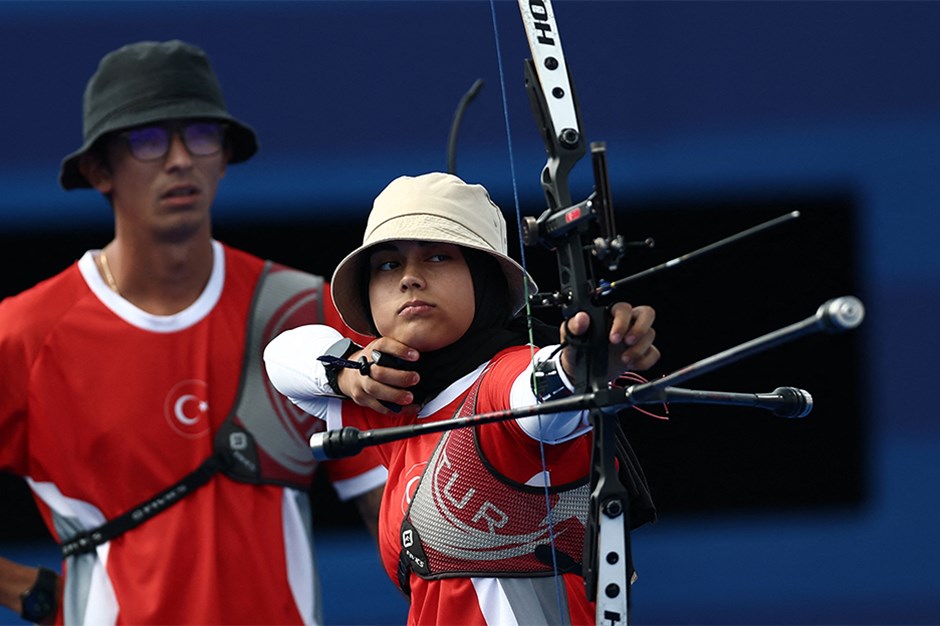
(467, 519)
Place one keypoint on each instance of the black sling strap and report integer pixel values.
(88, 540)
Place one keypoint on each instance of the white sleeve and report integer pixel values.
(291, 362)
(350, 488)
(553, 428)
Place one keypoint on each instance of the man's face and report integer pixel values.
(171, 193)
(421, 293)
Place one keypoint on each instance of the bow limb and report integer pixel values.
(553, 101)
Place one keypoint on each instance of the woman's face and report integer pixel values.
(420, 293)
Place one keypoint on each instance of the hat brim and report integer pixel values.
(347, 287)
(241, 137)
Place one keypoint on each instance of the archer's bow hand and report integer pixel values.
(630, 339)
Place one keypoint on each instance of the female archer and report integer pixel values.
(463, 526)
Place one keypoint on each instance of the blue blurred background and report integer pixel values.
(717, 115)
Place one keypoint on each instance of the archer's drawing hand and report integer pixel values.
(381, 384)
(630, 339)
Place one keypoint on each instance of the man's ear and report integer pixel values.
(228, 159)
(95, 171)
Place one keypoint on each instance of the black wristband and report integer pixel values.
(39, 601)
(548, 383)
(342, 349)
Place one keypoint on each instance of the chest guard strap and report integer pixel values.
(467, 519)
(265, 437)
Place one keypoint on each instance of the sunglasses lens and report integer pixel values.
(203, 138)
(148, 143)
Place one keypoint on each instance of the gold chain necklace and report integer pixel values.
(108, 276)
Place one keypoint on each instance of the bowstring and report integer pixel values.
(528, 305)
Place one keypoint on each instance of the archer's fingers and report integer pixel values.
(391, 367)
(391, 377)
(643, 318)
(646, 360)
(391, 347)
(575, 325)
(372, 389)
(643, 354)
(629, 324)
(371, 393)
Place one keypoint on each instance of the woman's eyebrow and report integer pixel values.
(383, 247)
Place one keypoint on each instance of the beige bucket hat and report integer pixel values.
(431, 207)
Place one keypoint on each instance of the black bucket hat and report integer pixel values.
(148, 82)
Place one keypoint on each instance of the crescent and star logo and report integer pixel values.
(411, 479)
(187, 408)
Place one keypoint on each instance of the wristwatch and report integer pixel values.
(340, 350)
(39, 601)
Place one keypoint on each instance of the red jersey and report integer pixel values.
(103, 405)
(474, 600)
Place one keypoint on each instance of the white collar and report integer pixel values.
(451, 392)
(134, 316)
